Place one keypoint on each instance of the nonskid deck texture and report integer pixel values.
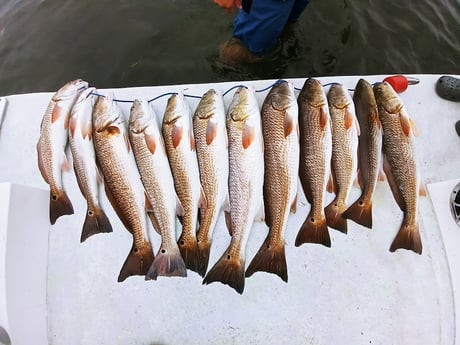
(334, 295)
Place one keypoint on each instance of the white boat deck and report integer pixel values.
(355, 292)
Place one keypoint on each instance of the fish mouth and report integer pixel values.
(69, 89)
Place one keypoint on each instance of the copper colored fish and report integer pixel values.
(400, 164)
(180, 146)
(315, 160)
(123, 185)
(52, 143)
(152, 162)
(281, 156)
(84, 163)
(345, 131)
(245, 144)
(369, 153)
(212, 151)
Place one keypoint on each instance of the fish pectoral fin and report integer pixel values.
(192, 142)
(405, 124)
(56, 114)
(211, 132)
(176, 135)
(179, 208)
(150, 142)
(349, 119)
(415, 130)
(248, 136)
(288, 124)
(323, 118)
(203, 203)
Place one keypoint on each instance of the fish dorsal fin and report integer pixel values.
(248, 136)
(154, 222)
(288, 124)
(179, 209)
(323, 118)
(405, 124)
(211, 132)
(176, 135)
(150, 142)
(203, 203)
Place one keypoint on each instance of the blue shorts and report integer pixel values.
(260, 28)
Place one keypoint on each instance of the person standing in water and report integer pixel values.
(257, 27)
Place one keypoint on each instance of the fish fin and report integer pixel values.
(405, 124)
(86, 130)
(228, 270)
(248, 136)
(334, 218)
(422, 190)
(331, 186)
(138, 261)
(56, 114)
(203, 203)
(415, 130)
(360, 212)
(192, 142)
(270, 258)
(393, 186)
(228, 222)
(359, 178)
(358, 127)
(168, 263)
(116, 208)
(154, 221)
(128, 145)
(204, 249)
(41, 165)
(408, 237)
(323, 118)
(188, 248)
(313, 230)
(374, 116)
(65, 165)
(294, 205)
(260, 216)
(96, 222)
(226, 206)
(176, 135)
(288, 124)
(113, 130)
(211, 132)
(150, 142)
(148, 206)
(349, 119)
(60, 205)
(179, 208)
(381, 177)
(72, 126)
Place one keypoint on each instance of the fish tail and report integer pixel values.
(334, 217)
(270, 258)
(313, 230)
(360, 212)
(188, 248)
(167, 263)
(408, 237)
(228, 270)
(96, 222)
(204, 249)
(60, 205)
(138, 261)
